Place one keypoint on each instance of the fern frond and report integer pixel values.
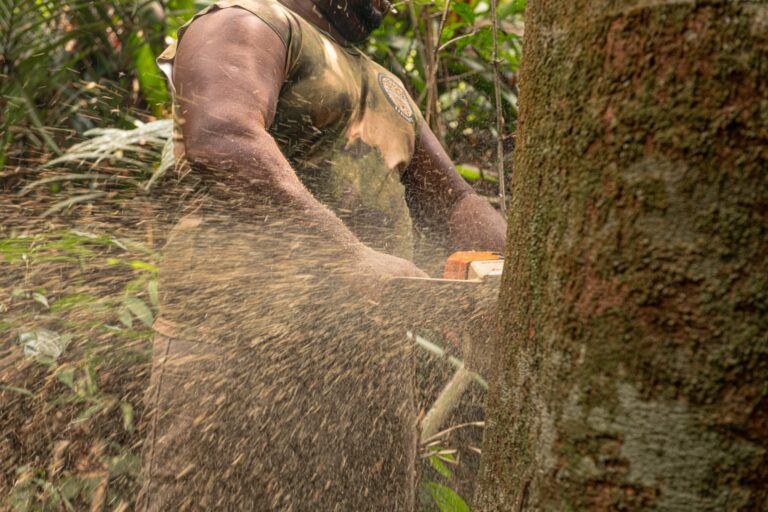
(138, 147)
(146, 140)
(167, 161)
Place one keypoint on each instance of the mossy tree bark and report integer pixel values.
(632, 367)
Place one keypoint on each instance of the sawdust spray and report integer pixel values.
(280, 379)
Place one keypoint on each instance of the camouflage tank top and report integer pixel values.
(345, 124)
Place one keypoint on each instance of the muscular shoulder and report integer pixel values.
(229, 65)
(236, 26)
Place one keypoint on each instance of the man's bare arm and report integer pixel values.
(441, 198)
(228, 72)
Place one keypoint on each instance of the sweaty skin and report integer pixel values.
(231, 50)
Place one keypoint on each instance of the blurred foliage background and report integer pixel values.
(68, 66)
(83, 127)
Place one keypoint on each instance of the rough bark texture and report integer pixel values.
(632, 367)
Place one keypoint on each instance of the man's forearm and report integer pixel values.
(438, 195)
(255, 167)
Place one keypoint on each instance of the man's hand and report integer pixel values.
(378, 264)
(475, 224)
(440, 198)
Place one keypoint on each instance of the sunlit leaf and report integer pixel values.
(447, 499)
(440, 467)
(150, 78)
(143, 265)
(472, 173)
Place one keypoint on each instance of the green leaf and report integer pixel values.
(153, 296)
(509, 9)
(70, 487)
(71, 301)
(465, 12)
(15, 249)
(90, 411)
(179, 11)
(127, 463)
(472, 173)
(66, 375)
(41, 299)
(126, 318)
(446, 498)
(54, 498)
(143, 265)
(440, 467)
(21, 391)
(140, 309)
(126, 409)
(151, 81)
(46, 360)
(90, 485)
(91, 381)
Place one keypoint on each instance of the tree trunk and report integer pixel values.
(632, 366)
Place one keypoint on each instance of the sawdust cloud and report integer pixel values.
(294, 370)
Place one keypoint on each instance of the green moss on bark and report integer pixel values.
(636, 268)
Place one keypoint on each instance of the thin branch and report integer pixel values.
(435, 67)
(436, 437)
(453, 40)
(444, 17)
(446, 402)
(432, 65)
(417, 35)
(429, 67)
(499, 112)
(440, 352)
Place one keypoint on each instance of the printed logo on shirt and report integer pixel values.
(397, 97)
